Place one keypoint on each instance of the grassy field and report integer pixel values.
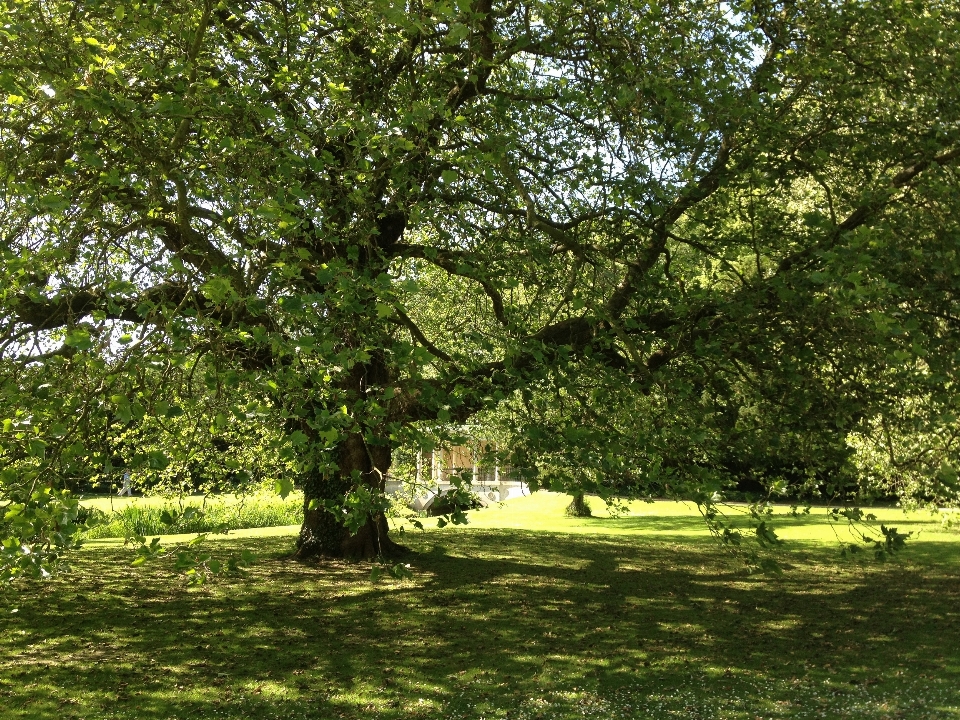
(524, 614)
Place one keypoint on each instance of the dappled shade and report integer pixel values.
(495, 621)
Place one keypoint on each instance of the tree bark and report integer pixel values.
(323, 534)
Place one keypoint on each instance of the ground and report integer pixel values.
(523, 614)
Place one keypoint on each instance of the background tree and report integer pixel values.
(380, 214)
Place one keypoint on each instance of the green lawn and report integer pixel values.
(524, 614)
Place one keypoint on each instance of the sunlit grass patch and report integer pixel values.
(544, 511)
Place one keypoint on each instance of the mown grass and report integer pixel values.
(637, 617)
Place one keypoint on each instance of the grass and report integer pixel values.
(524, 614)
(195, 514)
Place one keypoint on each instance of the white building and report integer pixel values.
(490, 483)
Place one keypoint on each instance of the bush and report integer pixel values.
(450, 501)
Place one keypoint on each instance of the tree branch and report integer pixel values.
(868, 210)
(421, 338)
(454, 263)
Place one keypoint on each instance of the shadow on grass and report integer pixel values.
(502, 623)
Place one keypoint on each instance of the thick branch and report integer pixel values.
(192, 247)
(66, 309)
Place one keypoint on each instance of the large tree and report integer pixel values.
(376, 214)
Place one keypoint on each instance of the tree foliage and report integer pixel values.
(726, 233)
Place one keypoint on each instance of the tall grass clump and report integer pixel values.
(196, 515)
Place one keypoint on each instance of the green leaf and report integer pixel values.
(36, 447)
(157, 460)
(401, 571)
(458, 32)
(770, 566)
(78, 338)
(218, 290)
(297, 438)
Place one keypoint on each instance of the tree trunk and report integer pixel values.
(361, 461)
(323, 534)
(578, 507)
